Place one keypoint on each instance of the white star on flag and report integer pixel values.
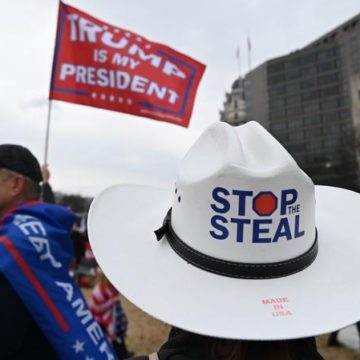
(78, 346)
(89, 358)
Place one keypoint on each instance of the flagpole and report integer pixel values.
(47, 133)
(249, 52)
(239, 60)
(47, 137)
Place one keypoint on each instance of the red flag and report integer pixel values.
(102, 65)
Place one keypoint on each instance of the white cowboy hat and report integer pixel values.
(243, 254)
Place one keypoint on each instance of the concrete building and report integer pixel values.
(310, 101)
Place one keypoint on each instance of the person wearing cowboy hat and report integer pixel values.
(251, 258)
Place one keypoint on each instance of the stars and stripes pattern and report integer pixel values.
(107, 310)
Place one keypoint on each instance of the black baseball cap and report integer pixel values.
(19, 159)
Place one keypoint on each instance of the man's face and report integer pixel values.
(8, 190)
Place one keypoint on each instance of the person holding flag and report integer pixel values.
(43, 313)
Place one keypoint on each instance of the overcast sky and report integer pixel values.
(90, 148)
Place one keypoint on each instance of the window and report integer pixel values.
(279, 90)
(354, 45)
(316, 158)
(313, 132)
(293, 100)
(275, 79)
(343, 102)
(293, 87)
(293, 63)
(279, 102)
(356, 66)
(308, 59)
(282, 138)
(293, 75)
(330, 65)
(276, 67)
(329, 104)
(329, 117)
(331, 143)
(345, 115)
(334, 157)
(314, 146)
(312, 120)
(309, 83)
(325, 79)
(296, 110)
(327, 54)
(294, 148)
(278, 126)
(309, 95)
(331, 90)
(296, 123)
(309, 71)
(296, 135)
(311, 107)
(323, 56)
(332, 130)
(278, 112)
(347, 128)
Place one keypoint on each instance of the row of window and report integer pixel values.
(325, 119)
(306, 96)
(315, 134)
(354, 44)
(328, 159)
(303, 60)
(307, 108)
(296, 86)
(355, 63)
(296, 74)
(319, 145)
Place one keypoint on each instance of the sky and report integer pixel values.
(91, 149)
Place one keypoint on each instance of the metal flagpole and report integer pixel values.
(249, 52)
(47, 132)
(239, 60)
(46, 152)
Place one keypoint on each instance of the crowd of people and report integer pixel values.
(185, 283)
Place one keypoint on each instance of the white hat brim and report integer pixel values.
(322, 298)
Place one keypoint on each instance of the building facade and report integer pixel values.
(234, 111)
(310, 101)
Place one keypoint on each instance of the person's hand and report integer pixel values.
(45, 173)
